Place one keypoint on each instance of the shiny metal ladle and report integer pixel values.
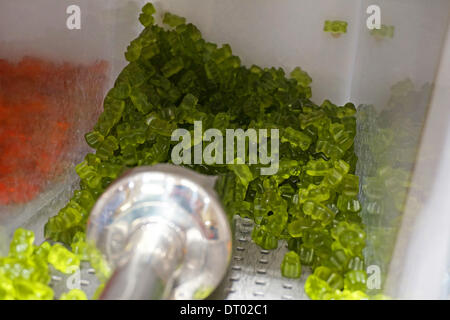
(164, 232)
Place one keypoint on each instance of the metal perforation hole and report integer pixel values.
(84, 282)
(236, 268)
(261, 271)
(56, 278)
(263, 261)
(260, 282)
(240, 249)
(287, 285)
(258, 294)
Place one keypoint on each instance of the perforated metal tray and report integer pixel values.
(254, 273)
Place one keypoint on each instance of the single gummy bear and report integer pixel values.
(291, 266)
(21, 245)
(74, 294)
(62, 259)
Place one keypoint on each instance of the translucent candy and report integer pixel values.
(348, 203)
(355, 280)
(264, 239)
(306, 255)
(146, 17)
(42, 251)
(335, 26)
(74, 294)
(133, 50)
(22, 244)
(31, 290)
(94, 139)
(318, 167)
(79, 246)
(353, 295)
(275, 223)
(107, 148)
(140, 101)
(132, 134)
(296, 138)
(301, 76)
(331, 150)
(7, 291)
(63, 260)
(342, 137)
(333, 279)
(350, 185)
(336, 174)
(172, 67)
(384, 32)
(338, 260)
(356, 263)
(297, 227)
(243, 172)
(291, 266)
(315, 118)
(149, 51)
(318, 212)
(27, 269)
(316, 288)
(173, 20)
(349, 237)
(313, 193)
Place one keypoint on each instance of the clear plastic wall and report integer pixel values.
(399, 78)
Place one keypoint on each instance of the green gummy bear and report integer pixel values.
(349, 237)
(21, 245)
(318, 168)
(335, 26)
(296, 138)
(94, 139)
(7, 291)
(146, 17)
(318, 211)
(74, 294)
(332, 278)
(355, 280)
(173, 20)
(291, 266)
(62, 259)
(302, 77)
(172, 67)
(32, 290)
(264, 239)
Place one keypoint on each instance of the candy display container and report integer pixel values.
(59, 59)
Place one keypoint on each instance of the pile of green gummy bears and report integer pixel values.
(175, 77)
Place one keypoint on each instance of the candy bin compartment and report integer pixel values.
(56, 69)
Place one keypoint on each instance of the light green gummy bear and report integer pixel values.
(291, 266)
(32, 290)
(62, 259)
(74, 294)
(21, 244)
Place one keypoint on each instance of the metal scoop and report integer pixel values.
(164, 232)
